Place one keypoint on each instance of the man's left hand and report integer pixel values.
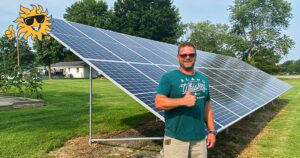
(211, 140)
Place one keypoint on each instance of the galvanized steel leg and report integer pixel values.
(91, 98)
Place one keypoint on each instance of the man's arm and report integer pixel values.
(209, 118)
(164, 103)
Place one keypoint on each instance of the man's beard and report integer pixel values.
(187, 68)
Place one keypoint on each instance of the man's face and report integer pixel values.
(187, 58)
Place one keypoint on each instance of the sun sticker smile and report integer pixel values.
(34, 23)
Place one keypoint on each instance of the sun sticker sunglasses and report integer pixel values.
(39, 18)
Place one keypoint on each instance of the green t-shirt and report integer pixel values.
(185, 123)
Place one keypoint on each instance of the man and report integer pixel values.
(184, 95)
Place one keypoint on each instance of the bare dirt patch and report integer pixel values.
(10, 102)
(79, 147)
(237, 142)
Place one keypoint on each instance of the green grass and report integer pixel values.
(282, 139)
(36, 131)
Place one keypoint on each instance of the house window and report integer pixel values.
(77, 69)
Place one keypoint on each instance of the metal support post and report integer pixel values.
(91, 98)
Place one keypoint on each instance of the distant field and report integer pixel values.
(35, 132)
(288, 76)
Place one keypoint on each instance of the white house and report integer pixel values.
(73, 69)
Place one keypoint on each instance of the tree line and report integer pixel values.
(254, 34)
(290, 67)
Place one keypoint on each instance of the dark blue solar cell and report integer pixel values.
(125, 75)
(120, 37)
(202, 61)
(154, 58)
(124, 53)
(169, 68)
(222, 115)
(244, 100)
(249, 93)
(213, 78)
(160, 50)
(227, 75)
(142, 42)
(264, 90)
(63, 27)
(148, 99)
(217, 126)
(152, 71)
(85, 47)
(229, 103)
(170, 58)
(92, 32)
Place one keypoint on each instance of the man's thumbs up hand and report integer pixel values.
(189, 100)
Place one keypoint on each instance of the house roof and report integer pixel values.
(69, 64)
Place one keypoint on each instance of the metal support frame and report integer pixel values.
(227, 131)
(91, 140)
(91, 99)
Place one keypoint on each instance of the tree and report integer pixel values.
(8, 53)
(48, 51)
(259, 23)
(90, 12)
(14, 78)
(215, 38)
(267, 61)
(154, 19)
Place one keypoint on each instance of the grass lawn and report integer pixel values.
(281, 137)
(34, 132)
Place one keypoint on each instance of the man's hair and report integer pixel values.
(186, 44)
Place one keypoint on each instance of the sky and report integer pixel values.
(216, 11)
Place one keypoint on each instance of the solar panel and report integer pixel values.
(136, 65)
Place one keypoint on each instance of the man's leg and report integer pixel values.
(174, 148)
(198, 149)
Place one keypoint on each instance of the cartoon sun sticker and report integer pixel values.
(34, 23)
(10, 33)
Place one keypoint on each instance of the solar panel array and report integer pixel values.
(136, 64)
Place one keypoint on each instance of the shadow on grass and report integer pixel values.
(239, 136)
(144, 127)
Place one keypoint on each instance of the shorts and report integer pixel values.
(174, 148)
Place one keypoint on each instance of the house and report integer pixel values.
(73, 69)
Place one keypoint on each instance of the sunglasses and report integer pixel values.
(39, 18)
(185, 55)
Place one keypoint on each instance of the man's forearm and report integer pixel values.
(209, 116)
(165, 103)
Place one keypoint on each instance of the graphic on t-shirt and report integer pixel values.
(197, 85)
